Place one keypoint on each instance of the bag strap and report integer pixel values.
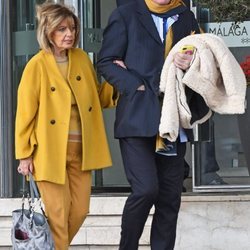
(33, 188)
(31, 194)
(25, 194)
(34, 193)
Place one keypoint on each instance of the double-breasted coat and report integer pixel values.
(43, 115)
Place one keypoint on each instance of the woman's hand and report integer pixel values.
(25, 166)
(121, 64)
(182, 60)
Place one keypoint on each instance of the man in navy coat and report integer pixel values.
(135, 36)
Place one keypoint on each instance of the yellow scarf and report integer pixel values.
(158, 8)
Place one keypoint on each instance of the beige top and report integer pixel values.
(75, 134)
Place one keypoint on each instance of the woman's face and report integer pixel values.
(64, 36)
(162, 2)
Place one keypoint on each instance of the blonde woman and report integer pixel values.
(60, 135)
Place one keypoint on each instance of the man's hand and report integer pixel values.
(182, 60)
(121, 64)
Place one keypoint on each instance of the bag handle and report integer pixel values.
(25, 194)
(34, 193)
(33, 188)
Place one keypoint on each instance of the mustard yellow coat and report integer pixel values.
(43, 115)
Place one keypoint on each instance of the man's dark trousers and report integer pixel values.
(155, 180)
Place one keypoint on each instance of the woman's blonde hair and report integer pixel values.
(49, 16)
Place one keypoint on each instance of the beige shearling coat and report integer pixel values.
(43, 115)
(214, 74)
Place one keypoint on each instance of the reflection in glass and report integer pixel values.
(23, 22)
(223, 161)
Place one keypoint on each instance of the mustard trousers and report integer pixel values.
(67, 205)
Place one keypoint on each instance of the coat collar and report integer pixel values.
(52, 65)
(147, 21)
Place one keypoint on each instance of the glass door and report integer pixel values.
(94, 16)
(6, 110)
(222, 161)
(24, 46)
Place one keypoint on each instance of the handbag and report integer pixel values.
(30, 229)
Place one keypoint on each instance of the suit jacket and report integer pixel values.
(43, 115)
(131, 36)
(120, 2)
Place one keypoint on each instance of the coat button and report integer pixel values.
(52, 122)
(78, 78)
(53, 88)
(90, 108)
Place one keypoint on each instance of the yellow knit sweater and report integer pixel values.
(75, 121)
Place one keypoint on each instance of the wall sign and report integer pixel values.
(92, 39)
(234, 34)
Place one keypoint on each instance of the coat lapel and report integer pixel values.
(147, 21)
(53, 69)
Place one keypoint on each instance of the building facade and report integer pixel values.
(215, 207)
(219, 159)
